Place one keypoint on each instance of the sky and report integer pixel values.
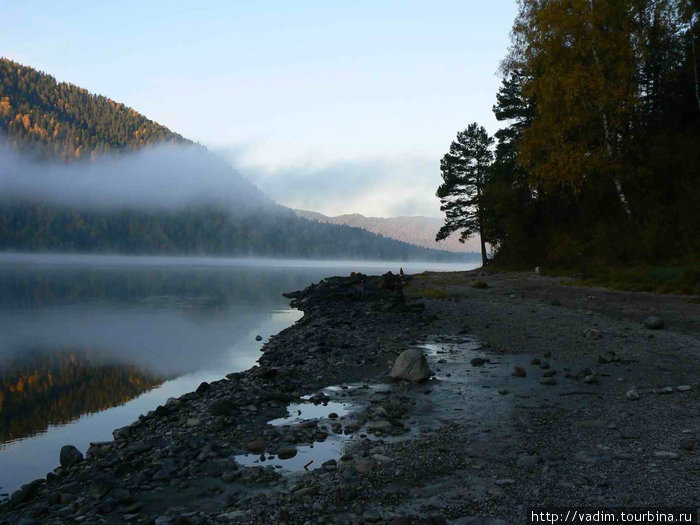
(333, 106)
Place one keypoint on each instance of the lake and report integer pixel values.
(88, 343)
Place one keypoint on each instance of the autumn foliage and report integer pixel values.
(599, 159)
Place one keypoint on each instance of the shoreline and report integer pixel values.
(473, 441)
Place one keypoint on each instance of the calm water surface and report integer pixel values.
(88, 343)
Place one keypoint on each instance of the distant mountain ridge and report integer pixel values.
(414, 230)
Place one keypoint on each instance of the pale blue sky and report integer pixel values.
(334, 106)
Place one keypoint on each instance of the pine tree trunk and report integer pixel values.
(484, 260)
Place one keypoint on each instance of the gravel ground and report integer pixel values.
(542, 395)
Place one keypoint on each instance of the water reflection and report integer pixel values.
(87, 343)
(39, 389)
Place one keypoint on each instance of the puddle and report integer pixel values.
(484, 396)
(316, 455)
(313, 456)
(298, 412)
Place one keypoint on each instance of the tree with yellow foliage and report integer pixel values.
(579, 65)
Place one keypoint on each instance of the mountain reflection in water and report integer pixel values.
(38, 389)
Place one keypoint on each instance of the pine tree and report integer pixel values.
(464, 172)
(509, 201)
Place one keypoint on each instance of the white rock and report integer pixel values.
(504, 482)
(684, 388)
(411, 365)
(666, 454)
(632, 395)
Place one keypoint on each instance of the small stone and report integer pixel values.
(687, 444)
(332, 415)
(654, 322)
(549, 373)
(228, 477)
(192, 422)
(593, 457)
(504, 482)
(330, 465)
(258, 338)
(632, 395)
(26, 493)
(381, 425)
(69, 456)
(364, 465)
(256, 446)
(665, 391)
(548, 381)
(286, 452)
(503, 391)
(666, 454)
(593, 333)
(528, 461)
(99, 488)
(519, 371)
(590, 379)
(305, 491)
(478, 361)
(684, 388)
(222, 407)
(380, 458)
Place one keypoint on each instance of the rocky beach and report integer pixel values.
(509, 391)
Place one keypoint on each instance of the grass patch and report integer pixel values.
(480, 285)
(658, 279)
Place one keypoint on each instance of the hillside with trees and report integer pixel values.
(59, 122)
(598, 162)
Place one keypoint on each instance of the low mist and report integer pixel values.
(161, 177)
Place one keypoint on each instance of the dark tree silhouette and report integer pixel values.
(464, 172)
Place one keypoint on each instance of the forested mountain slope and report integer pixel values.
(66, 121)
(84, 173)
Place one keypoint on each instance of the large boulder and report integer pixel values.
(70, 456)
(411, 365)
